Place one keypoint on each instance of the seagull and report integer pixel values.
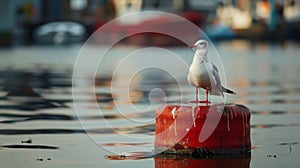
(204, 74)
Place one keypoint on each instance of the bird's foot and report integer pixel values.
(207, 102)
(201, 101)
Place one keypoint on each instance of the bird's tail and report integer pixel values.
(228, 90)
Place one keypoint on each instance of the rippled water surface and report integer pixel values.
(40, 128)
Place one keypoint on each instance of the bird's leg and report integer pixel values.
(207, 97)
(196, 96)
(195, 110)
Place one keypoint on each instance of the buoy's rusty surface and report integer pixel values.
(203, 130)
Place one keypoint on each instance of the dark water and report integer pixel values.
(40, 128)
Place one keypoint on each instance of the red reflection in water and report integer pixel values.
(196, 163)
(187, 161)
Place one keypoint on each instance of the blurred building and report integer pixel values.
(260, 18)
(20, 17)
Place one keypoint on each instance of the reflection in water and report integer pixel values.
(144, 129)
(278, 112)
(40, 131)
(273, 125)
(289, 144)
(104, 97)
(20, 89)
(28, 117)
(32, 106)
(180, 162)
(14, 80)
(186, 161)
(142, 87)
(29, 146)
(131, 156)
(125, 144)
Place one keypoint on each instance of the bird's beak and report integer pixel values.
(192, 46)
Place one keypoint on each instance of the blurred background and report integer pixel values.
(26, 22)
(258, 46)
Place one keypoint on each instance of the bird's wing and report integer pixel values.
(214, 67)
(215, 73)
(218, 82)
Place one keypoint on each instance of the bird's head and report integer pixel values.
(200, 44)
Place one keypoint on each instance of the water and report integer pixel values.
(265, 77)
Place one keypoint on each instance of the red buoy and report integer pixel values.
(203, 130)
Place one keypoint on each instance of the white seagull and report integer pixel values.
(204, 74)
